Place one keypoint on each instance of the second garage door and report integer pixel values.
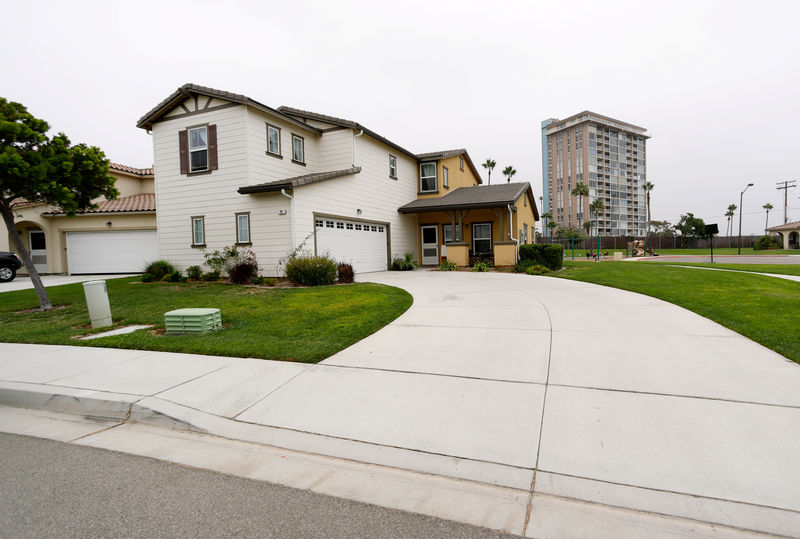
(117, 251)
(362, 245)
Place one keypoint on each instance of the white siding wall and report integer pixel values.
(336, 150)
(265, 168)
(371, 190)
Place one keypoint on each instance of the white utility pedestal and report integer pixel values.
(97, 302)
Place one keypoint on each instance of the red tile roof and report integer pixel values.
(787, 226)
(131, 170)
(133, 203)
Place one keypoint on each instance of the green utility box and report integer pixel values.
(192, 321)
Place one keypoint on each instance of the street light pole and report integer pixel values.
(741, 198)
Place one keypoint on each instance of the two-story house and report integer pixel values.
(232, 171)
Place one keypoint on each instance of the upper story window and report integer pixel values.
(198, 149)
(273, 140)
(427, 177)
(445, 178)
(461, 162)
(392, 167)
(298, 150)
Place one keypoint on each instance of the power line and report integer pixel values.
(787, 184)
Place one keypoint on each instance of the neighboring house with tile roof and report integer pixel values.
(118, 236)
(233, 171)
(790, 233)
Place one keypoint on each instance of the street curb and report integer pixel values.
(88, 403)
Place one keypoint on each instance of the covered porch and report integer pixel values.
(485, 223)
(790, 234)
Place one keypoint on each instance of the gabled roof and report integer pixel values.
(134, 203)
(341, 122)
(131, 170)
(478, 196)
(187, 90)
(787, 226)
(436, 156)
(297, 181)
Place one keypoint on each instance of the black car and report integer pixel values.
(9, 264)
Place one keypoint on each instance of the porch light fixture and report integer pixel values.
(108, 224)
(358, 211)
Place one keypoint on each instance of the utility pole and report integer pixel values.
(785, 186)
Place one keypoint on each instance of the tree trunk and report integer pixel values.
(490, 177)
(41, 293)
(766, 224)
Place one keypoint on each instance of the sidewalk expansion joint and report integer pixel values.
(309, 367)
(442, 374)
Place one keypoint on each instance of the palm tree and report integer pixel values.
(489, 166)
(581, 190)
(767, 207)
(647, 187)
(546, 216)
(552, 225)
(597, 207)
(731, 213)
(509, 172)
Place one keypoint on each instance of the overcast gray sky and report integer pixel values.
(717, 84)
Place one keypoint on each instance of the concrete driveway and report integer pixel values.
(548, 388)
(23, 282)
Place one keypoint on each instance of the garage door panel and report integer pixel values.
(111, 251)
(362, 245)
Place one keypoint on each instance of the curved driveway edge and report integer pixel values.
(546, 386)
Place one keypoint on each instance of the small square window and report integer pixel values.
(319, 222)
(380, 229)
(328, 224)
(339, 225)
(273, 140)
(392, 166)
(358, 227)
(374, 228)
(298, 149)
(366, 228)
(349, 226)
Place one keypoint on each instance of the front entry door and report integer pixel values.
(38, 250)
(430, 245)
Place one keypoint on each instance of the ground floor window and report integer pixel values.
(242, 228)
(198, 231)
(450, 233)
(482, 238)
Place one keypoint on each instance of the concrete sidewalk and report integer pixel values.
(540, 389)
(23, 282)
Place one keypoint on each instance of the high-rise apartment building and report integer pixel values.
(608, 156)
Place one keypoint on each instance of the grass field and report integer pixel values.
(725, 251)
(783, 269)
(295, 324)
(761, 308)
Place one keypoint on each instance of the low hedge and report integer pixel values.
(549, 255)
(311, 270)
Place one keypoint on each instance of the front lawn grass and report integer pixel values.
(761, 308)
(783, 269)
(294, 324)
(724, 251)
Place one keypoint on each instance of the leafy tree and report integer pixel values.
(37, 168)
(690, 227)
(580, 190)
(509, 172)
(767, 207)
(570, 233)
(489, 166)
(662, 228)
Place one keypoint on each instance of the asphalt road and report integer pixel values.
(50, 489)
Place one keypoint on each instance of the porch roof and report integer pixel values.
(296, 181)
(784, 228)
(478, 196)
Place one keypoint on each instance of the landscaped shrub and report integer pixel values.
(523, 265)
(481, 265)
(546, 254)
(448, 265)
(311, 270)
(344, 273)
(230, 257)
(267, 281)
(175, 277)
(211, 276)
(159, 268)
(766, 243)
(537, 270)
(148, 278)
(194, 272)
(406, 263)
(243, 271)
(167, 277)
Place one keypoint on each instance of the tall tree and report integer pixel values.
(546, 216)
(596, 208)
(37, 168)
(732, 213)
(647, 187)
(690, 227)
(509, 172)
(580, 190)
(767, 207)
(489, 166)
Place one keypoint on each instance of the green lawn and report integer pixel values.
(783, 269)
(725, 251)
(294, 324)
(761, 308)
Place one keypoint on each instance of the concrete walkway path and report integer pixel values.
(543, 390)
(23, 282)
(778, 275)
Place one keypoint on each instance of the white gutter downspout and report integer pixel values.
(291, 209)
(361, 132)
(511, 233)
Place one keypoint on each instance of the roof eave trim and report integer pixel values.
(443, 207)
(255, 189)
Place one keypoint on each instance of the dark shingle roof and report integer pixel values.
(444, 154)
(134, 203)
(479, 196)
(177, 97)
(787, 226)
(297, 181)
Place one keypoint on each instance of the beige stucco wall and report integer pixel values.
(455, 176)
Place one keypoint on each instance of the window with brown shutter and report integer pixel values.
(212, 148)
(198, 149)
(183, 145)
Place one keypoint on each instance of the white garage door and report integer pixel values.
(117, 251)
(362, 245)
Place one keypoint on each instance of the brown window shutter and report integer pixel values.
(212, 148)
(183, 145)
